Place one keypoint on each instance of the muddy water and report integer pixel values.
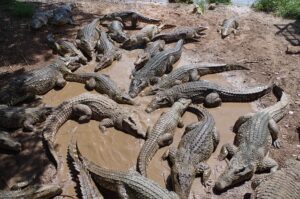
(119, 151)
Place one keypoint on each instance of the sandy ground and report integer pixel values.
(260, 44)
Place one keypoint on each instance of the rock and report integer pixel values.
(212, 6)
(291, 112)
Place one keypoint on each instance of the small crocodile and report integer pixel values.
(14, 117)
(85, 107)
(157, 66)
(127, 184)
(210, 93)
(108, 51)
(9, 144)
(32, 192)
(150, 51)
(249, 154)
(65, 48)
(87, 38)
(191, 72)
(184, 32)
(63, 15)
(162, 133)
(40, 19)
(199, 141)
(141, 38)
(229, 26)
(116, 32)
(87, 186)
(124, 16)
(102, 84)
(282, 184)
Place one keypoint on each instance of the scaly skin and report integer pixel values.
(150, 51)
(127, 184)
(189, 73)
(162, 134)
(249, 154)
(40, 19)
(85, 107)
(15, 117)
(199, 141)
(108, 51)
(62, 15)
(88, 188)
(87, 38)
(229, 26)
(129, 16)
(185, 33)
(282, 184)
(116, 32)
(210, 93)
(33, 192)
(102, 84)
(8, 144)
(157, 66)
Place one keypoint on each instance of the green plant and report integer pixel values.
(22, 9)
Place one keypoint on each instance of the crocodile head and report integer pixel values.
(136, 86)
(8, 143)
(86, 47)
(142, 58)
(46, 191)
(104, 61)
(125, 99)
(158, 101)
(237, 171)
(183, 175)
(130, 124)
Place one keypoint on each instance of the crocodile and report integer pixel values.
(228, 26)
(199, 141)
(63, 15)
(158, 65)
(141, 38)
(108, 51)
(132, 16)
(282, 184)
(191, 72)
(85, 107)
(151, 50)
(210, 93)
(116, 32)
(183, 32)
(102, 84)
(127, 184)
(162, 133)
(87, 186)
(32, 192)
(35, 82)
(249, 154)
(9, 144)
(87, 38)
(40, 19)
(65, 48)
(14, 117)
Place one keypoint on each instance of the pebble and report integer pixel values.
(298, 146)
(291, 112)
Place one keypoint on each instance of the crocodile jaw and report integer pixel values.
(48, 191)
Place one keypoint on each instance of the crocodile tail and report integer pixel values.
(147, 19)
(198, 110)
(146, 154)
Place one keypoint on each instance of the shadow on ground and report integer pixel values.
(290, 31)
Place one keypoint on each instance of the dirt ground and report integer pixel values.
(260, 44)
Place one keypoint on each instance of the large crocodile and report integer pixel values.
(63, 15)
(199, 141)
(184, 32)
(102, 84)
(32, 192)
(150, 51)
(249, 154)
(228, 26)
(9, 144)
(210, 93)
(85, 107)
(108, 52)
(157, 66)
(14, 117)
(116, 32)
(87, 186)
(127, 184)
(87, 38)
(124, 16)
(282, 184)
(162, 133)
(191, 72)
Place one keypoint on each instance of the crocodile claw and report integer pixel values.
(277, 144)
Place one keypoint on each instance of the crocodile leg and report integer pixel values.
(274, 130)
(194, 76)
(240, 121)
(204, 169)
(216, 138)
(83, 111)
(268, 164)
(105, 123)
(90, 84)
(180, 123)
(28, 124)
(170, 154)
(154, 80)
(191, 126)
(122, 192)
(212, 100)
(227, 151)
(165, 140)
(60, 82)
